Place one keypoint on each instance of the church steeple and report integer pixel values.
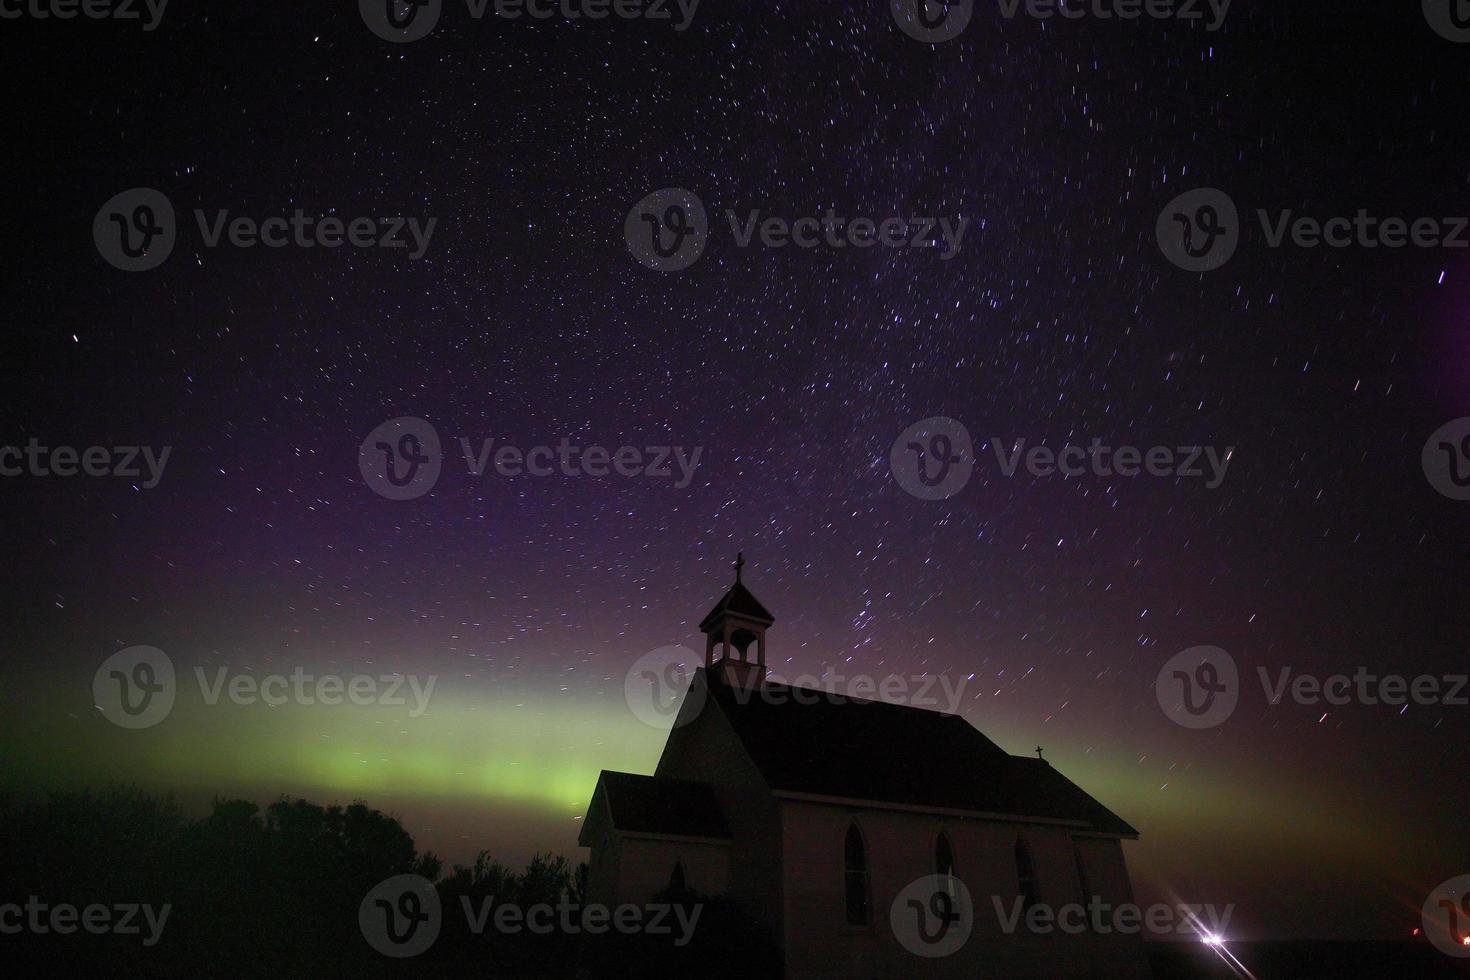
(737, 622)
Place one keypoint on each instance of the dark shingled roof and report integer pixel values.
(645, 804)
(873, 750)
(740, 601)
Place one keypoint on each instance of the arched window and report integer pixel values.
(1026, 875)
(944, 862)
(855, 877)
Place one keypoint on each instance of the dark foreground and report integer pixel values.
(1308, 960)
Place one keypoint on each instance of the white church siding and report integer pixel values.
(901, 849)
(706, 748)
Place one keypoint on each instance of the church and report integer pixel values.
(838, 825)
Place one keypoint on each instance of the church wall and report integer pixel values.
(647, 866)
(901, 849)
(603, 869)
(707, 749)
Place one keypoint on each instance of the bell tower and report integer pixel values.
(737, 623)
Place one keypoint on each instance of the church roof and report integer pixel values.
(644, 804)
(871, 750)
(740, 601)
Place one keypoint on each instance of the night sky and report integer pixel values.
(527, 320)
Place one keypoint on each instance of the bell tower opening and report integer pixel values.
(736, 624)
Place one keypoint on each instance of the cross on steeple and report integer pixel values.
(735, 629)
(1038, 753)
